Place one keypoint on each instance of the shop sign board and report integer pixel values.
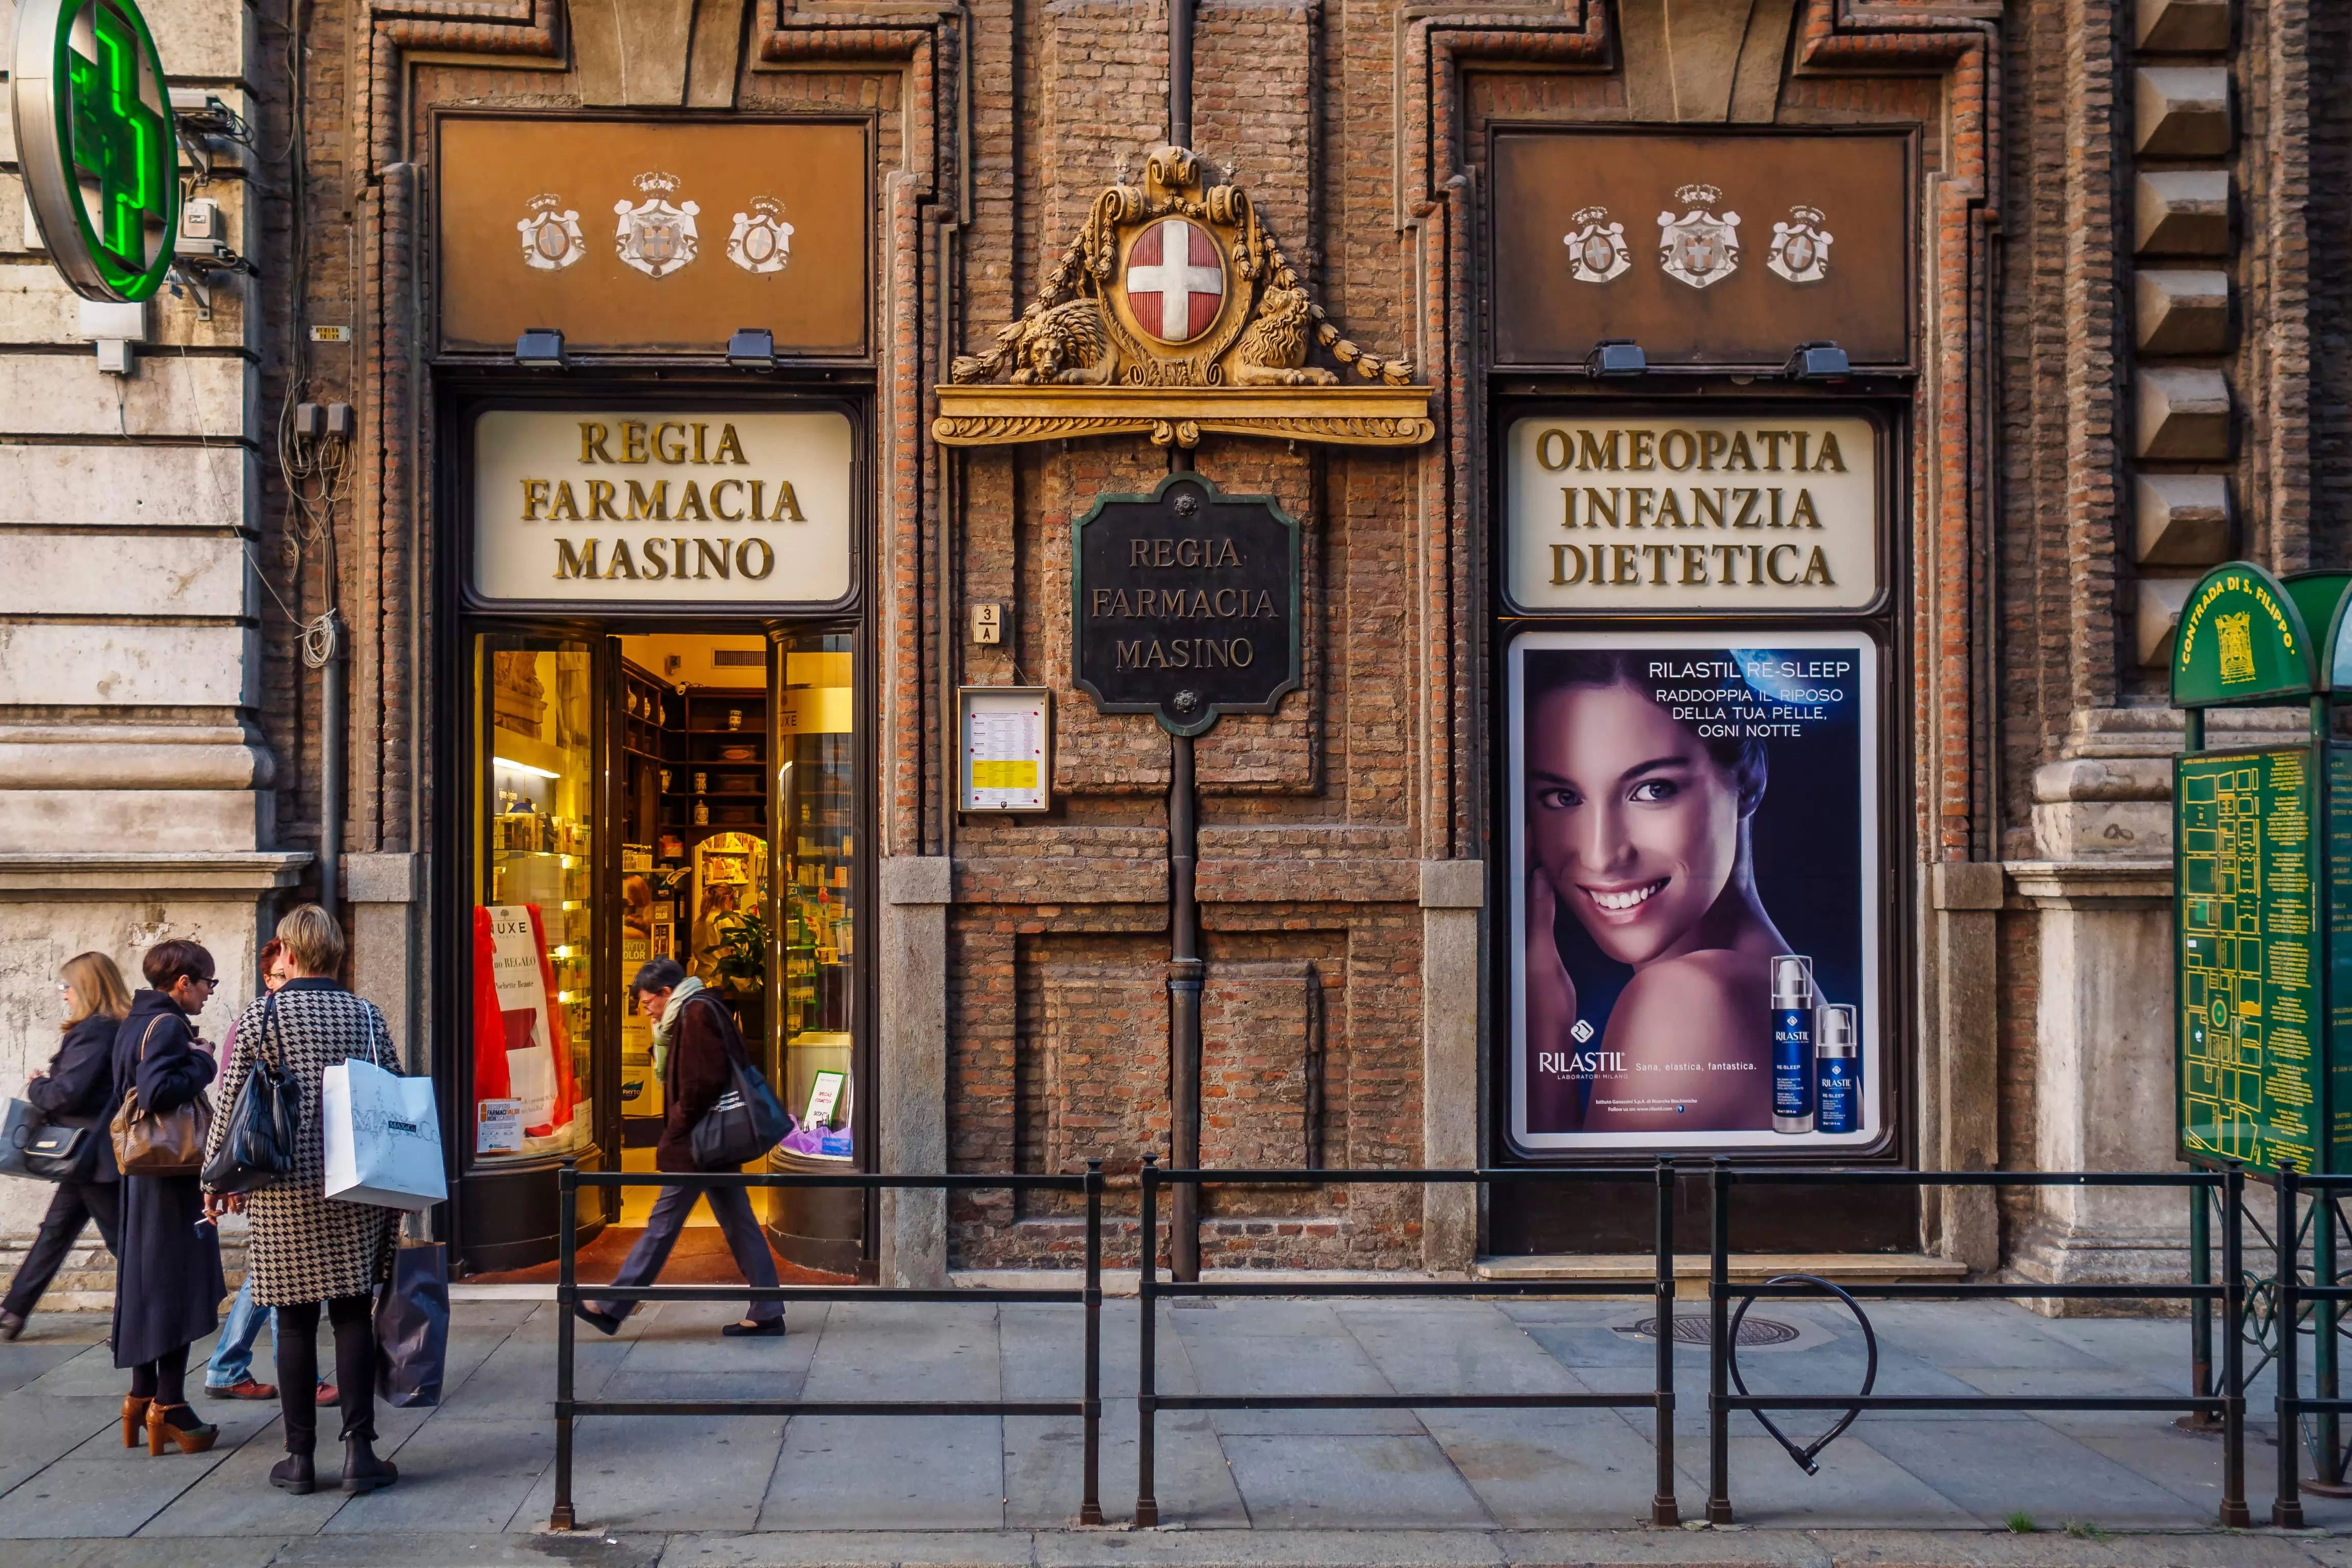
(652, 236)
(1709, 249)
(1184, 604)
(1636, 513)
(662, 506)
(93, 113)
(1694, 894)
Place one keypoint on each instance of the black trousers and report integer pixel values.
(298, 1368)
(71, 1207)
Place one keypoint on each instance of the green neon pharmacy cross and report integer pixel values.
(119, 139)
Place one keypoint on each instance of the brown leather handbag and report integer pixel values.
(172, 1144)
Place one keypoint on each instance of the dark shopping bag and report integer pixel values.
(743, 1123)
(412, 1326)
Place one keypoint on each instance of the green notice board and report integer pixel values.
(2248, 990)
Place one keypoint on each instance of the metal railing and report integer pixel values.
(2229, 1406)
(2294, 1295)
(1658, 1398)
(569, 1292)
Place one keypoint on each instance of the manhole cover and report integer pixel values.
(1693, 1331)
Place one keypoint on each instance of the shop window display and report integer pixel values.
(535, 906)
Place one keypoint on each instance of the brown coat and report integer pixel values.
(701, 1046)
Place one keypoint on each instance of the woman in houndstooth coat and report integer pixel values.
(304, 1249)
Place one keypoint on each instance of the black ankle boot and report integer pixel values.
(294, 1474)
(363, 1471)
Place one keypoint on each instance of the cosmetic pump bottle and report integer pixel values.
(1838, 1085)
(1793, 1044)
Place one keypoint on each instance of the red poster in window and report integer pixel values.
(522, 1049)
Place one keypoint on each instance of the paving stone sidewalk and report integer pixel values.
(1298, 1488)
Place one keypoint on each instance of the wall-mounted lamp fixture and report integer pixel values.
(1613, 357)
(1817, 362)
(752, 348)
(539, 348)
(115, 329)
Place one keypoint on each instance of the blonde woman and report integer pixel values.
(306, 1250)
(73, 1092)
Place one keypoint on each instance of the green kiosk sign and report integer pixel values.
(94, 140)
(2263, 878)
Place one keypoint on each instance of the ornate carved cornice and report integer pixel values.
(1353, 416)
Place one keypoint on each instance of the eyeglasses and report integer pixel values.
(204, 980)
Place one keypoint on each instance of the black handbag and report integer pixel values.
(258, 1145)
(745, 1122)
(32, 1145)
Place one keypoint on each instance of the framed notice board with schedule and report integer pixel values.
(1007, 744)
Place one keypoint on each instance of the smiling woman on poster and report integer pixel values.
(1694, 889)
(1639, 830)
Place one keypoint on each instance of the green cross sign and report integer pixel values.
(95, 144)
(118, 140)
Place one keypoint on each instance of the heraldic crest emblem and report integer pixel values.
(1800, 246)
(1597, 249)
(551, 234)
(762, 240)
(654, 237)
(1173, 282)
(1698, 248)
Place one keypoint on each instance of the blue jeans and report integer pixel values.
(231, 1361)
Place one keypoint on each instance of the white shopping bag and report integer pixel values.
(382, 1137)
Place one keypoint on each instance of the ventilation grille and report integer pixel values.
(739, 656)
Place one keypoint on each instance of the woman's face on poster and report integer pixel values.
(1637, 827)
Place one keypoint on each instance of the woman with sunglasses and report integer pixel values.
(167, 1293)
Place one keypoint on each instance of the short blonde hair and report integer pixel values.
(98, 987)
(314, 942)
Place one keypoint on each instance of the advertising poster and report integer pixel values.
(521, 1057)
(1694, 829)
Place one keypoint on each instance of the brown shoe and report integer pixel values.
(243, 1388)
(190, 1439)
(134, 1416)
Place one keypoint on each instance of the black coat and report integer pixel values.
(77, 1090)
(168, 1290)
(702, 1048)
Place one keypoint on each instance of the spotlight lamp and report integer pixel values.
(1615, 357)
(1817, 362)
(752, 349)
(539, 348)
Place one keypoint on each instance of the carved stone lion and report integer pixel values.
(1273, 351)
(1064, 345)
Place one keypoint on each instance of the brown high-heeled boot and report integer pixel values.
(134, 1416)
(191, 1439)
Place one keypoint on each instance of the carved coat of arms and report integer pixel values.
(656, 237)
(1800, 246)
(1173, 283)
(551, 234)
(761, 240)
(1597, 249)
(1699, 248)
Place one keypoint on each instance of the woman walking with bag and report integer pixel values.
(75, 1092)
(168, 1290)
(304, 1249)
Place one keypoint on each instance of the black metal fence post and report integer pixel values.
(2234, 1513)
(1665, 1512)
(2286, 1508)
(567, 1289)
(1718, 1351)
(1147, 1505)
(2200, 1312)
(1090, 1501)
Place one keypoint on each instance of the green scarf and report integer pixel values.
(668, 1021)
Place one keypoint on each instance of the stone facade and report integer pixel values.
(2132, 228)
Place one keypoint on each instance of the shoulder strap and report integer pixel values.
(149, 1036)
(727, 1029)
